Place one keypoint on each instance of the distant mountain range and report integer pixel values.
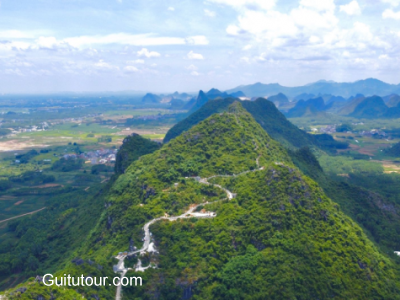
(151, 98)
(367, 87)
(186, 101)
(375, 107)
(166, 98)
(359, 107)
(195, 104)
(308, 108)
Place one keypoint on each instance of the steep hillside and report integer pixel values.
(200, 101)
(48, 241)
(369, 108)
(393, 112)
(281, 237)
(392, 100)
(377, 214)
(258, 228)
(151, 98)
(132, 148)
(308, 108)
(267, 115)
(304, 96)
(280, 98)
(330, 98)
(351, 106)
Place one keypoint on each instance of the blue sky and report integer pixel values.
(164, 46)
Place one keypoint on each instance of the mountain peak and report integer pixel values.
(236, 108)
(213, 91)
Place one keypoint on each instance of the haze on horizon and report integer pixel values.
(164, 46)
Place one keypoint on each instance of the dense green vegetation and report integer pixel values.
(97, 169)
(308, 108)
(67, 164)
(32, 178)
(344, 128)
(394, 150)
(4, 131)
(24, 158)
(371, 108)
(105, 139)
(133, 147)
(47, 242)
(363, 191)
(268, 116)
(281, 238)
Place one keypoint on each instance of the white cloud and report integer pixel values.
(390, 14)
(102, 65)
(209, 13)
(137, 61)
(245, 59)
(319, 5)
(171, 8)
(124, 39)
(248, 4)
(149, 54)
(81, 42)
(233, 30)
(392, 2)
(192, 55)
(197, 40)
(194, 73)
(310, 20)
(9, 46)
(314, 39)
(47, 42)
(353, 8)
(131, 69)
(134, 40)
(247, 47)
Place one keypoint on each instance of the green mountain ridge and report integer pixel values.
(267, 115)
(308, 108)
(376, 214)
(133, 147)
(371, 107)
(280, 238)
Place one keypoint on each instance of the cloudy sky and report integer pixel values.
(187, 45)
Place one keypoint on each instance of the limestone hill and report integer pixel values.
(281, 237)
